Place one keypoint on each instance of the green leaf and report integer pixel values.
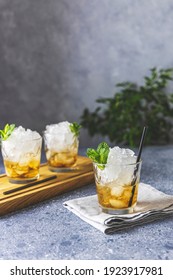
(100, 155)
(75, 128)
(103, 151)
(6, 132)
(93, 154)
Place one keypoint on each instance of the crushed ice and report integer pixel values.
(21, 143)
(119, 167)
(59, 136)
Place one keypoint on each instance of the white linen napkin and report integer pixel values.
(152, 205)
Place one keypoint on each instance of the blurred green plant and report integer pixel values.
(122, 117)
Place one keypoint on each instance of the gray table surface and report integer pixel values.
(50, 231)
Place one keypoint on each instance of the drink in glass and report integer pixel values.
(117, 181)
(21, 153)
(61, 145)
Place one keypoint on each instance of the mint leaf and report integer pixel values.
(100, 155)
(75, 128)
(6, 132)
(103, 150)
(93, 154)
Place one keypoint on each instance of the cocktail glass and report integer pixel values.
(60, 157)
(118, 194)
(21, 158)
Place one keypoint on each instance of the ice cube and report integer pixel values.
(126, 175)
(117, 203)
(120, 166)
(59, 136)
(109, 173)
(115, 155)
(118, 155)
(21, 142)
(116, 190)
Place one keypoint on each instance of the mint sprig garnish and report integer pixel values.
(75, 128)
(100, 155)
(6, 132)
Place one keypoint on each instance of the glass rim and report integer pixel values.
(117, 164)
(26, 140)
(46, 132)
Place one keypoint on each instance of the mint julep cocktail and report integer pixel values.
(21, 151)
(61, 145)
(117, 176)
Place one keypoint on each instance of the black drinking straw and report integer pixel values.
(32, 184)
(133, 183)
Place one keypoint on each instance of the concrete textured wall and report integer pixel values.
(58, 56)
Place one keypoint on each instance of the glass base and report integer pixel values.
(23, 180)
(122, 211)
(62, 169)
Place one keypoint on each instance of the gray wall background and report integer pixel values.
(58, 56)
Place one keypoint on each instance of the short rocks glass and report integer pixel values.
(61, 147)
(21, 155)
(117, 186)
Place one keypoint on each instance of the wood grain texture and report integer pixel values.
(65, 181)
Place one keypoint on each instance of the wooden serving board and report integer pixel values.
(65, 181)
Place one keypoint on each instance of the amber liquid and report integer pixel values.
(112, 200)
(61, 159)
(19, 171)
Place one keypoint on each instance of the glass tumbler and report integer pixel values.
(22, 159)
(117, 186)
(60, 159)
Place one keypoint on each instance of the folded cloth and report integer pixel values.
(152, 205)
